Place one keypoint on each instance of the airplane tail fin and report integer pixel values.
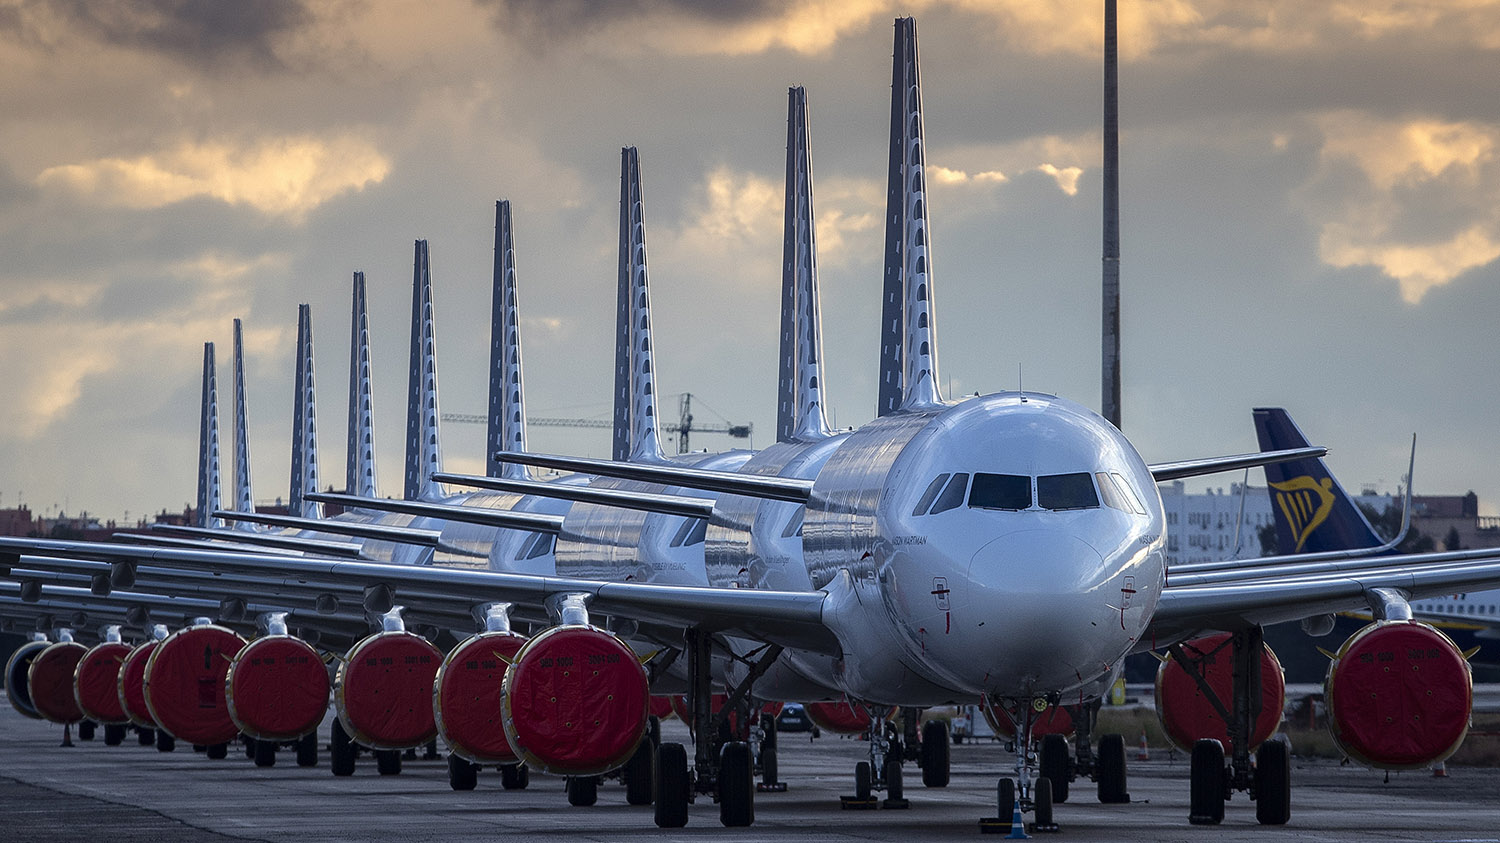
(799, 413)
(1312, 511)
(208, 444)
(359, 472)
(424, 457)
(636, 436)
(244, 498)
(507, 424)
(304, 424)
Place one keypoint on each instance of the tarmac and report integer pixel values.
(129, 793)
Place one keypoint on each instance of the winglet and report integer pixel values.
(908, 343)
(359, 471)
(635, 399)
(208, 444)
(244, 499)
(304, 424)
(507, 425)
(424, 457)
(799, 413)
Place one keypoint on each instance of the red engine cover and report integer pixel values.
(842, 717)
(1186, 715)
(663, 707)
(132, 688)
(1054, 720)
(575, 701)
(277, 688)
(97, 683)
(51, 682)
(466, 697)
(384, 690)
(679, 706)
(185, 684)
(1399, 695)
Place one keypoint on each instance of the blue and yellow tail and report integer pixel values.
(1313, 512)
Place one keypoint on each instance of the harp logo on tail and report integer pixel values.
(1305, 503)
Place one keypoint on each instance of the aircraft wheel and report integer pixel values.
(1042, 799)
(583, 791)
(307, 749)
(341, 751)
(862, 780)
(895, 787)
(388, 762)
(769, 772)
(638, 774)
(1206, 783)
(265, 753)
(1273, 783)
(220, 751)
(114, 735)
(673, 786)
(1111, 767)
(462, 775)
(1054, 765)
(145, 737)
(736, 785)
(86, 730)
(1006, 801)
(514, 776)
(249, 743)
(936, 755)
(164, 741)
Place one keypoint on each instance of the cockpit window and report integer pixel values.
(794, 526)
(1001, 491)
(953, 494)
(540, 545)
(1116, 493)
(691, 532)
(1129, 493)
(931, 494)
(1066, 491)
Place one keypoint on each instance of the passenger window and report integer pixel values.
(1129, 493)
(1001, 491)
(928, 496)
(1066, 491)
(794, 526)
(953, 495)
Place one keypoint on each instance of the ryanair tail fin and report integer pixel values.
(1313, 512)
(244, 498)
(208, 444)
(636, 437)
(424, 457)
(304, 425)
(359, 471)
(799, 413)
(507, 424)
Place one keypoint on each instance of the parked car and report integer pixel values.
(793, 718)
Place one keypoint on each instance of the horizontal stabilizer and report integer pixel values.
(684, 506)
(1165, 471)
(380, 532)
(727, 482)
(502, 519)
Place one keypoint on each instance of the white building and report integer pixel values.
(1215, 525)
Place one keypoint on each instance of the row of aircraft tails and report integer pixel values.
(1005, 549)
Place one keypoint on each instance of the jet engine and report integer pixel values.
(184, 683)
(50, 680)
(97, 683)
(844, 717)
(466, 697)
(575, 701)
(1399, 695)
(17, 685)
(277, 688)
(1053, 720)
(1187, 715)
(132, 685)
(384, 690)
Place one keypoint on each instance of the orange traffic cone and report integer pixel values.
(1144, 754)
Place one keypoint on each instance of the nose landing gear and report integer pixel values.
(1027, 792)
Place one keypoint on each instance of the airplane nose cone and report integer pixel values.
(1037, 562)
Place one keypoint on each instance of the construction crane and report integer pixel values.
(685, 423)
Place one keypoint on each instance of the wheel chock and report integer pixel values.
(854, 803)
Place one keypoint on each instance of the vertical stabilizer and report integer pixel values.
(208, 444)
(635, 399)
(507, 425)
(908, 334)
(359, 473)
(799, 413)
(1312, 511)
(304, 424)
(423, 455)
(244, 498)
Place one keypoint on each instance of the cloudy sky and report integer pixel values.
(1311, 216)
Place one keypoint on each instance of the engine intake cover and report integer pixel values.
(1054, 720)
(184, 683)
(384, 690)
(466, 697)
(277, 688)
(51, 682)
(843, 717)
(1399, 695)
(132, 687)
(1185, 713)
(96, 683)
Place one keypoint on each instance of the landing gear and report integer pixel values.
(936, 754)
(1206, 783)
(164, 741)
(1273, 783)
(583, 791)
(114, 735)
(462, 774)
(1053, 766)
(307, 749)
(1111, 770)
(388, 762)
(342, 751)
(1025, 793)
(770, 781)
(638, 774)
(145, 737)
(220, 751)
(86, 730)
(736, 785)
(514, 777)
(674, 786)
(265, 753)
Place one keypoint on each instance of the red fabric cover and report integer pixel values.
(1054, 720)
(575, 701)
(98, 683)
(384, 690)
(1186, 715)
(132, 688)
(466, 697)
(277, 688)
(662, 706)
(185, 684)
(842, 717)
(679, 707)
(51, 681)
(1399, 695)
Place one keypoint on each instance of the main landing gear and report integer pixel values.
(883, 771)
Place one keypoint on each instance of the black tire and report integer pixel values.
(249, 744)
(1206, 783)
(862, 780)
(673, 786)
(1053, 766)
(388, 762)
(1111, 770)
(639, 774)
(957, 738)
(462, 775)
(937, 756)
(341, 751)
(430, 752)
(145, 737)
(736, 785)
(895, 786)
(265, 753)
(769, 730)
(514, 777)
(307, 749)
(198, 747)
(1006, 800)
(1273, 783)
(1043, 796)
(583, 791)
(114, 735)
(164, 741)
(769, 771)
(86, 730)
(220, 751)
